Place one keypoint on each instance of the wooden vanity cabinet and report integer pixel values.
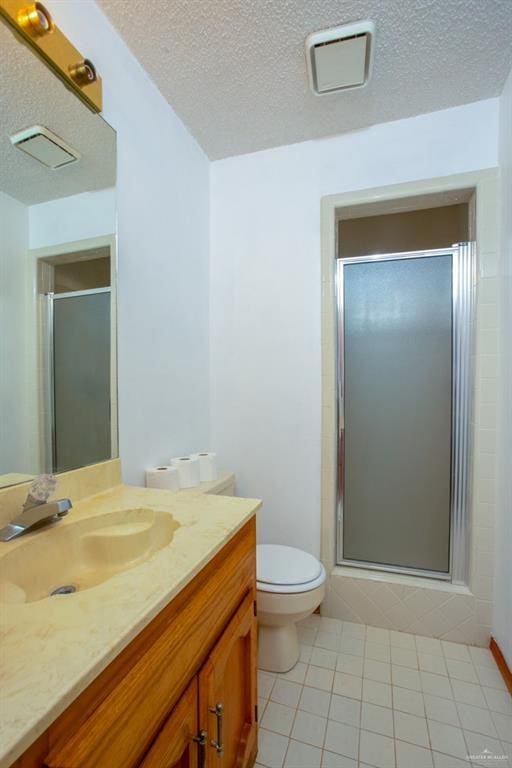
(214, 723)
(178, 745)
(183, 693)
(227, 692)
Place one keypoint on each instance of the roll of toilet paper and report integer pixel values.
(188, 471)
(166, 477)
(207, 465)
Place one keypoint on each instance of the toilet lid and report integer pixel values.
(277, 564)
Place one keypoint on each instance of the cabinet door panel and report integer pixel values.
(174, 746)
(227, 693)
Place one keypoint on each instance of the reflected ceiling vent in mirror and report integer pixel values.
(340, 58)
(45, 146)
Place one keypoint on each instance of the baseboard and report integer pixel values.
(502, 663)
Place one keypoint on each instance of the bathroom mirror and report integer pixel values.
(58, 370)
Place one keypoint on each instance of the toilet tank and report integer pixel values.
(223, 486)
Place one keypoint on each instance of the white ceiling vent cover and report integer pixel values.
(340, 58)
(45, 146)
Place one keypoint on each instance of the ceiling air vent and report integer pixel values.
(45, 146)
(340, 58)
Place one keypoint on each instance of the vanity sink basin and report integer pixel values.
(76, 556)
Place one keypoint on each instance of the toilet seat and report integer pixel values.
(285, 570)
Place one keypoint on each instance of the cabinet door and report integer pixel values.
(227, 693)
(174, 747)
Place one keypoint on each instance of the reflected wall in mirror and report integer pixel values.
(58, 372)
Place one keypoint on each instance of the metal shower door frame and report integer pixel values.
(463, 290)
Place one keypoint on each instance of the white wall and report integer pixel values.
(19, 440)
(163, 234)
(265, 294)
(502, 619)
(77, 217)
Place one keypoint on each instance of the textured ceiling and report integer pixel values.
(30, 94)
(235, 72)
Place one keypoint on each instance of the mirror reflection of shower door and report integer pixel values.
(81, 378)
(399, 410)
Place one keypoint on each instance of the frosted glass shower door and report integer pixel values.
(395, 459)
(81, 374)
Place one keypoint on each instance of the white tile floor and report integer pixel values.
(364, 697)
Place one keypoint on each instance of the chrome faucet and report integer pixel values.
(37, 510)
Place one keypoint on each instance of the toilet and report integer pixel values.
(290, 584)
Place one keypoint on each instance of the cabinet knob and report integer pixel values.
(201, 740)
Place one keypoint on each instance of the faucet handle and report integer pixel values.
(41, 490)
(63, 506)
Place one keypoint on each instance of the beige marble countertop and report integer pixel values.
(52, 649)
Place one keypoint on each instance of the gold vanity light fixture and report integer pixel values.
(35, 19)
(83, 72)
(35, 25)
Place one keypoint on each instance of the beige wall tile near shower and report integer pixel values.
(487, 290)
(328, 455)
(484, 566)
(486, 415)
(485, 514)
(484, 611)
(328, 330)
(486, 390)
(483, 587)
(384, 597)
(328, 296)
(329, 364)
(328, 416)
(483, 539)
(334, 605)
(487, 208)
(487, 366)
(485, 440)
(485, 492)
(485, 465)
(459, 608)
(487, 316)
(487, 341)
(328, 326)
(488, 264)
(400, 617)
(328, 265)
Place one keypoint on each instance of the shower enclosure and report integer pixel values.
(404, 388)
(80, 377)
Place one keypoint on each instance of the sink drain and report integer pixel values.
(65, 589)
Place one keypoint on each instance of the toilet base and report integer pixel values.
(278, 647)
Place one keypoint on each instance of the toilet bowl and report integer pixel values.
(290, 585)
